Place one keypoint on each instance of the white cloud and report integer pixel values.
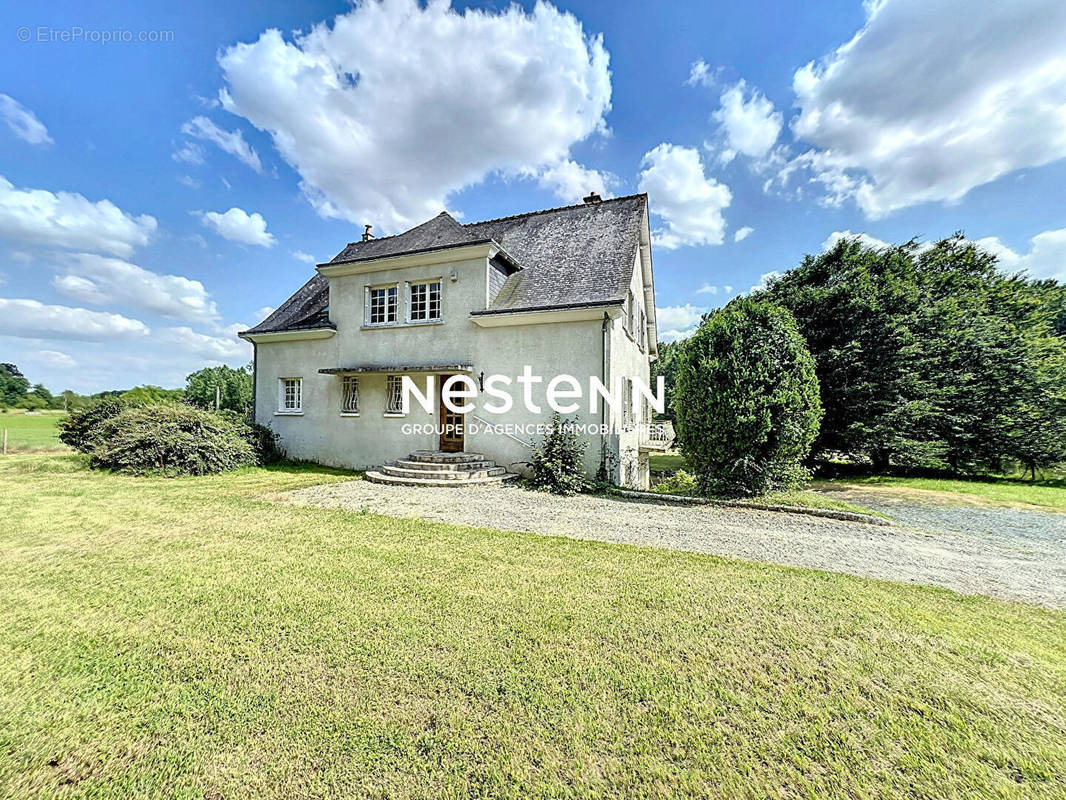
(571, 181)
(56, 359)
(35, 320)
(261, 314)
(701, 74)
(109, 281)
(748, 122)
(764, 280)
(397, 105)
(931, 99)
(23, 122)
(743, 233)
(677, 322)
(190, 153)
(190, 181)
(300, 255)
(689, 203)
(707, 288)
(1046, 257)
(237, 225)
(231, 142)
(226, 349)
(66, 219)
(866, 239)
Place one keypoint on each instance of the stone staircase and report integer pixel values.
(437, 468)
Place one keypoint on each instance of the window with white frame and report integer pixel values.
(349, 394)
(393, 394)
(423, 302)
(290, 394)
(380, 305)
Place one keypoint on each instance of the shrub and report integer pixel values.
(171, 439)
(263, 440)
(680, 482)
(746, 401)
(557, 462)
(78, 428)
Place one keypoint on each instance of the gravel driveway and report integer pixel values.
(979, 557)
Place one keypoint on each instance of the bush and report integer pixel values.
(557, 462)
(680, 482)
(78, 428)
(746, 401)
(171, 439)
(263, 440)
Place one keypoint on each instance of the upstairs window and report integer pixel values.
(290, 396)
(380, 305)
(393, 394)
(642, 333)
(424, 302)
(349, 395)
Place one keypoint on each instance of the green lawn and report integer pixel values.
(666, 462)
(31, 431)
(187, 638)
(996, 493)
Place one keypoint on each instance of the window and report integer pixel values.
(627, 324)
(627, 402)
(393, 394)
(291, 395)
(349, 395)
(381, 305)
(642, 333)
(424, 301)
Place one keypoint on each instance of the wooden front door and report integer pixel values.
(451, 425)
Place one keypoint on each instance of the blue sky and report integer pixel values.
(157, 196)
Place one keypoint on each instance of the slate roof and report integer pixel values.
(574, 256)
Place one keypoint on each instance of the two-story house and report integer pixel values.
(564, 291)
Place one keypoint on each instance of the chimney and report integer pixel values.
(592, 199)
(367, 235)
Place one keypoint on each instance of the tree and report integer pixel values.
(557, 462)
(13, 385)
(666, 365)
(746, 400)
(149, 394)
(234, 388)
(928, 356)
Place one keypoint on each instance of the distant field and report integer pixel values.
(31, 431)
(1050, 496)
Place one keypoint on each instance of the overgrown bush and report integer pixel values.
(79, 428)
(746, 401)
(557, 462)
(262, 439)
(171, 439)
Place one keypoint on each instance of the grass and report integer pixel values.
(186, 638)
(996, 493)
(666, 462)
(28, 432)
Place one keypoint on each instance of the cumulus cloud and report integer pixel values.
(1046, 257)
(300, 255)
(238, 225)
(677, 322)
(689, 203)
(571, 181)
(743, 233)
(931, 99)
(55, 359)
(395, 106)
(748, 122)
(35, 320)
(868, 240)
(231, 142)
(23, 122)
(99, 280)
(66, 219)
(701, 74)
(225, 349)
(261, 314)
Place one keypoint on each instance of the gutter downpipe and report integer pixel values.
(605, 329)
(255, 380)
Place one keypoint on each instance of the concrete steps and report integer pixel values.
(436, 468)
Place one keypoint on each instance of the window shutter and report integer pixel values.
(406, 301)
(366, 305)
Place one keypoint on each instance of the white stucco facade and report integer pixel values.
(604, 341)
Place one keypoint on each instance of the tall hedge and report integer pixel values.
(746, 400)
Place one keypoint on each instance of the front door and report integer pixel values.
(451, 425)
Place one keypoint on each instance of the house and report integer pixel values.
(564, 291)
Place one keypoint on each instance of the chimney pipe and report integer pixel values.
(592, 199)
(367, 235)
